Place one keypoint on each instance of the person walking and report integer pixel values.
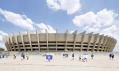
(14, 56)
(92, 55)
(27, 56)
(80, 56)
(72, 56)
(23, 56)
(112, 56)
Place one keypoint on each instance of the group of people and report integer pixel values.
(2, 55)
(65, 55)
(23, 56)
(111, 56)
(83, 57)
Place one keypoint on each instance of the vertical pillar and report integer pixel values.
(110, 45)
(103, 43)
(82, 39)
(75, 34)
(6, 43)
(66, 34)
(15, 36)
(107, 43)
(100, 40)
(56, 40)
(22, 40)
(47, 40)
(29, 38)
(37, 35)
(89, 40)
(95, 40)
(11, 41)
(114, 44)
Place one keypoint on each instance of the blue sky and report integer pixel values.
(82, 15)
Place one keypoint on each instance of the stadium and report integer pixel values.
(59, 42)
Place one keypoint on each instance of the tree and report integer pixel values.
(2, 49)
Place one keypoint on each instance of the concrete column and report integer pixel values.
(6, 42)
(15, 36)
(82, 38)
(7, 46)
(89, 40)
(95, 40)
(29, 38)
(103, 43)
(107, 43)
(22, 40)
(37, 35)
(114, 44)
(9, 43)
(66, 34)
(11, 40)
(47, 40)
(110, 45)
(100, 40)
(75, 34)
(56, 39)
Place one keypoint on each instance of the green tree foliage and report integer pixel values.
(2, 49)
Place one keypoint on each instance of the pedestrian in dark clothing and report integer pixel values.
(92, 56)
(73, 56)
(23, 56)
(112, 56)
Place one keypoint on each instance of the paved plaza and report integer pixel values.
(101, 62)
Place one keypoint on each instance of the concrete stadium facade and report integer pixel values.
(56, 42)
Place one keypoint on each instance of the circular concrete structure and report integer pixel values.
(56, 42)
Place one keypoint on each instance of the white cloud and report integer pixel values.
(114, 32)
(95, 30)
(111, 29)
(100, 19)
(22, 21)
(2, 45)
(18, 20)
(44, 27)
(103, 22)
(1, 38)
(71, 6)
(71, 31)
(2, 34)
(2, 19)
